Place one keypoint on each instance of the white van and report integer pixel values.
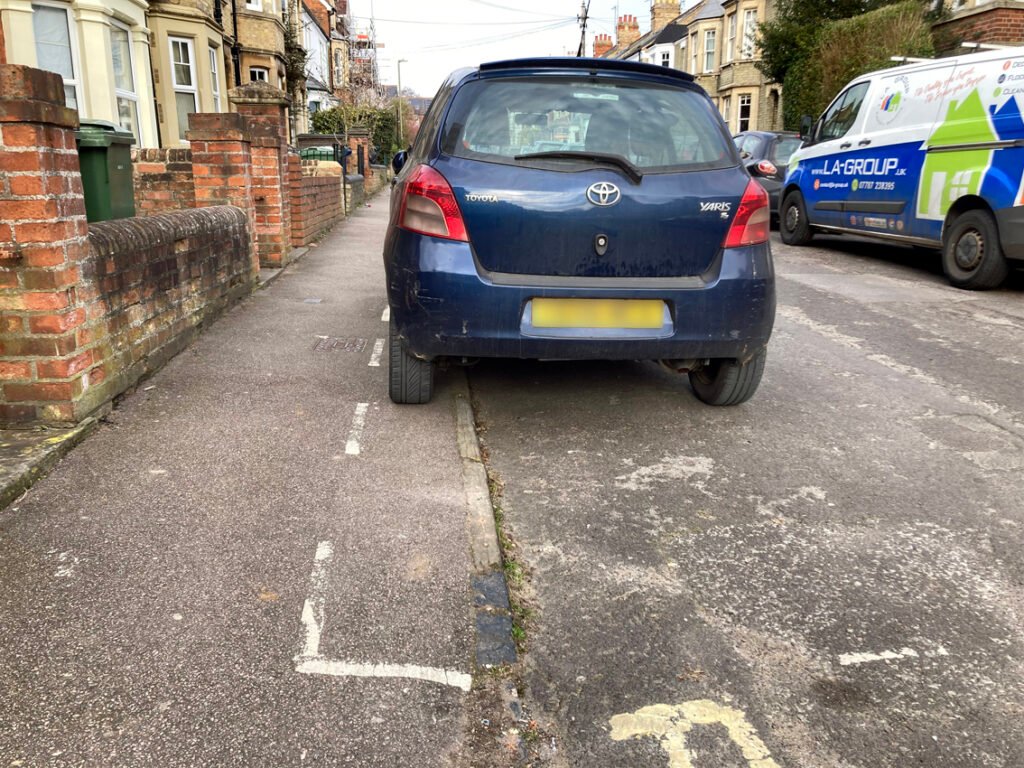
(930, 154)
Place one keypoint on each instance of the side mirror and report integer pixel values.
(805, 127)
(398, 161)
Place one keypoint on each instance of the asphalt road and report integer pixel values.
(829, 575)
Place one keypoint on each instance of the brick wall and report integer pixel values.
(316, 206)
(163, 180)
(1000, 22)
(150, 285)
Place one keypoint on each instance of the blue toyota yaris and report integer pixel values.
(578, 209)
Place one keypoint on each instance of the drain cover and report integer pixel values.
(335, 344)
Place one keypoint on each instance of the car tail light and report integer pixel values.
(429, 206)
(750, 225)
(767, 168)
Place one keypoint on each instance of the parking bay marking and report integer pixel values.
(851, 659)
(311, 662)
(358, 424)
(673, 723)
(386, 315)
(378, 350)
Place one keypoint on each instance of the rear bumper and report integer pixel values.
(445, 306)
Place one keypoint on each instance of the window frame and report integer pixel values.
(75, 82)
(254, 5)
(726, 108)
(749, 34)
(730, 38)
(739, 111)
(709, 52)
(666, 58)
(214, 52)
(120, 93)
(264, 79)
(193, 70)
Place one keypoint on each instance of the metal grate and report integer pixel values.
(333, 344)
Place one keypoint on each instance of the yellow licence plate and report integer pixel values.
(597, 313)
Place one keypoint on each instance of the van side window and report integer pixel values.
(840, 117)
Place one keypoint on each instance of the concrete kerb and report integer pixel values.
(495, 645)
(26, 456)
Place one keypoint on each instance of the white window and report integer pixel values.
(666, 59)
(730, 41)
(215, 76)
(183, 76)
(709, 50)
(124, 79)
(744, 123)
(55, 48)
(749, 33)
(693, 49)
(254, 5)
(259, 74)
(726, 108)
(339, 68)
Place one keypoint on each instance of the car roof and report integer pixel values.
(588, 64)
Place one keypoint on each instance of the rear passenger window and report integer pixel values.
(654, 127)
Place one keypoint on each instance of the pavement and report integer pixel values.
(256, 558)
(828, 575)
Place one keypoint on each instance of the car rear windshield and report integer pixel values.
(785, 149)
(654, 127)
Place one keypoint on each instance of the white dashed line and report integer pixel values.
(386, 314)
(378, 350)
(310, 662)
(851, 659)
(358, 423)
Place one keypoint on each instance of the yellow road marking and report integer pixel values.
(673, 723)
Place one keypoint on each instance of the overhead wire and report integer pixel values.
(495, 38)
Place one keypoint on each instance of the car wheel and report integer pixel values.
(972, 257)
(794, 229)
(410, 379)
(728, 382)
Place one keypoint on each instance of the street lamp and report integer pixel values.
(401, 140)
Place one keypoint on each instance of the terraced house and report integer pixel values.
(715, 40)
(100, 49)
(147, 65)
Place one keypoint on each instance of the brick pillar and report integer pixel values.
(298, 211)
(222, 164)
(45, 353)
(265, 109)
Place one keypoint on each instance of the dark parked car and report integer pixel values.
(766, 155)
(578, 209)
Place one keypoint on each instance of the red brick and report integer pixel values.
(66, 368)
(43, 300)
(40, 391)
(13, 371)
(13, 162)
(37, 279)
(17, 414)
(43, 256)
(59, 322)
(11, 323)
(37, 210)
(38, 346)
(26, 185)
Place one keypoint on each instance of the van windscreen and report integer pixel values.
(654, 127)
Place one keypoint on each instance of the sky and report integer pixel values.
(436, 37)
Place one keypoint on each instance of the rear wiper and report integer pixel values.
(634, 173)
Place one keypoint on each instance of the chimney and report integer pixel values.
(602, 44)
(662, 12)
(627, 31)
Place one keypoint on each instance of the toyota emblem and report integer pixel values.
(603, 193)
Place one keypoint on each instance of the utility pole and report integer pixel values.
(582, 18)
(401, 140)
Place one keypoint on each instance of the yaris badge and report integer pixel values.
(603, 193)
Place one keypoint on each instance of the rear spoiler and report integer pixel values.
(593, 65)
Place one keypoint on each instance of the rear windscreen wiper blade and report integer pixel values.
(634, 173)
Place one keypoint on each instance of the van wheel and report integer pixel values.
(410, 380)
(972, 257)
(794, 228)
(728, 382)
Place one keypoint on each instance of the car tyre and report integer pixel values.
(794, 229)
(728, 382)
(410, 379)
(972, 256)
